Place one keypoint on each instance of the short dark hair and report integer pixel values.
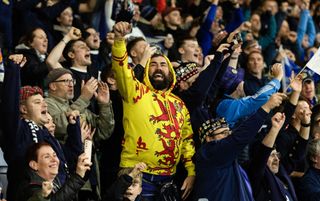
(132, 42)
(33, 151)
(69, 48)
(184, 39)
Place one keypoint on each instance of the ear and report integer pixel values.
(52, 86)
(71, 55)
(23, 109)
(166, 18)
(181, 50)
(34, 165)
(58, 19)
(133, 53)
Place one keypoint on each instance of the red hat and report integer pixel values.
(27, 91)
(168, 10)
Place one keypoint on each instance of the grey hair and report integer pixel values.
(313, 149)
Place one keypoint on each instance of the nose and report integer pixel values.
(44, 104)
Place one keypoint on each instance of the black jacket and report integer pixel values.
(32, 188)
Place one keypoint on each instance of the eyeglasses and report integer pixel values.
(225, 132)
(275, 154)
(67, 82)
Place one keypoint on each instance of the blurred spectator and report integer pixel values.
(34, 47)
(308, 91)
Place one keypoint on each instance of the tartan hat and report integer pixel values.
(27, 91)
(186, 70)
(231, 79)
(208, 127)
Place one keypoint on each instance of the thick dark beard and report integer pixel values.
(161, 85)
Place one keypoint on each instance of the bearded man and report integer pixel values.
(156, 122)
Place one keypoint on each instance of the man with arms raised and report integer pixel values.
(156, 122)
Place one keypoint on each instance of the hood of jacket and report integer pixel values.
(146, 78)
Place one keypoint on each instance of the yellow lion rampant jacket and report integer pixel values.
(156, 123)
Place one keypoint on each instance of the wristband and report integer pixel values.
(63, 41)
(305, 125)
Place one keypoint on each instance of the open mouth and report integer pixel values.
(87, 56)
(44, 112)
(53, 165)
(158, 76)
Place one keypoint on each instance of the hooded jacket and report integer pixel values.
(156, 123)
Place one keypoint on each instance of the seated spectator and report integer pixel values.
(308, 189)
(129, 184)
(219, 177)
(34, 47)
(268, 175)
(43, 165)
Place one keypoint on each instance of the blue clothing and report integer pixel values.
(268, 38)
(234, 110)
(6, 24)
(269, 186)
(204, 34)
(309, 187)
(305, 26)
(195, 97)
(237, 19)
(219, 177)
(252, 84)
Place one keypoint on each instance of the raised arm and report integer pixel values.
(127, 85)
(56, 52)
(10, 100)
(259, 162)
(232, 145)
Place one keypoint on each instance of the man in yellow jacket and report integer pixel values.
(156, 122)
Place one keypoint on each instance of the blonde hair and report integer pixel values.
(124, 171)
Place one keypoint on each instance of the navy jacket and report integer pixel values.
(309, 187)
(19, 134)
(219, 177)
(195, 97)
(269, 186)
